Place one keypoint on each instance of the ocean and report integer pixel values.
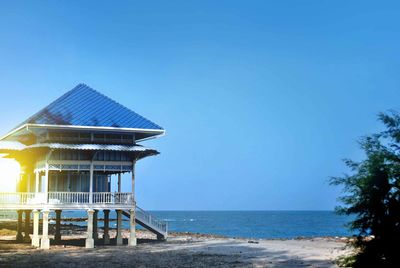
(249, 224)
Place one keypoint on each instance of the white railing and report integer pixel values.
(69, 198)
(113, 198)
(151, 221)
(17, 198)
(20, 198)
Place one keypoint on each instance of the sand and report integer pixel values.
(180, 250)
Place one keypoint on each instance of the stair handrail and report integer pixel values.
(152, 221)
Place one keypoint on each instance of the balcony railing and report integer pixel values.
(67, 198)
(20, 198)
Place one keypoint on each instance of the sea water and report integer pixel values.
(248, 224)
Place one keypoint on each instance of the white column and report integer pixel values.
(132, 226)
(46, 183)
(45, 241)
(35, 237)
(119, 227)
(91, 184)
(89, 243)
(37, 182)
(133, 179)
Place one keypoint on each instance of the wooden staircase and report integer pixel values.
(151, 223)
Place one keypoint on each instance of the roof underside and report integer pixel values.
(14, 149)
(17, 146)
(84, 106)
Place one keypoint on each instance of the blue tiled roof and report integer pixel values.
(84, 106)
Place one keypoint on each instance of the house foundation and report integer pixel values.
(106, 235)
(119, 228)
(35, 236)
(132, 226)
(45, 241)
(57, 235)
(89, 243)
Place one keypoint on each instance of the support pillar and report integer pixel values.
(119, 227)
(89, 243)
(133, 179)
(45, 241)
(27, 238)
(57, 235)
(132, 219)
(35, 237)
(95, 230)
(106, 235)
(46, 183)
(20, 238)
(132, 227)
(91, 184)
(37, 181)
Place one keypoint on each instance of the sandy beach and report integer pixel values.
(180, 250)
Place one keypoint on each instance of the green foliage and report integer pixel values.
(346, 261)
(372, 194)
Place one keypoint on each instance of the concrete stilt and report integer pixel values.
(132, 225)
(35, 237)
(95, 230)
(20, 238)
(106, 235)
(119, 227)
(57, 235)
(27, 238)
(45, 241)
(89, 243)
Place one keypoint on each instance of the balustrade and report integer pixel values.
(19, 198)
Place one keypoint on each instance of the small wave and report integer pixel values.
(169, 220)
(188, 220)
(173, 220)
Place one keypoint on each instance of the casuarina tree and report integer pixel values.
(372, 196)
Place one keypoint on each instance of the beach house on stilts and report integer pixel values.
(68, 153)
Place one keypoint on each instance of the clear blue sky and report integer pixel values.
(260, 99)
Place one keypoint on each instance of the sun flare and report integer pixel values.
(9, 173)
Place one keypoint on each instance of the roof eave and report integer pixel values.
(156, 132)
(16, 130)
